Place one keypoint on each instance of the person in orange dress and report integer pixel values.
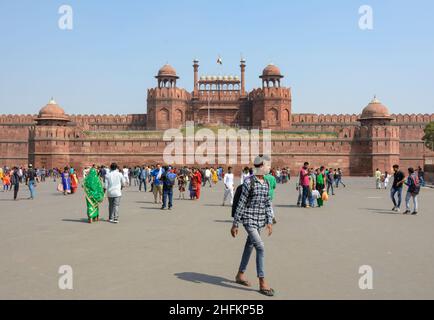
(6, 182)
(74, 180)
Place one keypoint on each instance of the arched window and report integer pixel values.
(273, 115)
(163, 115)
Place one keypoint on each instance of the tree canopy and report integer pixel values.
(429, 135)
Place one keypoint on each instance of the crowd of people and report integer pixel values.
(251, 201)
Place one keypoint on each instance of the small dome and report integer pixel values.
(231, 78)
(202, 78)
(52, 111)
(271, 71)
(375, 110)
(167, 71)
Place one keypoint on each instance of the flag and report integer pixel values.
(219, 60)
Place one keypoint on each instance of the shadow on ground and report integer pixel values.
(215, 280)
(381, 211)
(76, 220)
(224, 221)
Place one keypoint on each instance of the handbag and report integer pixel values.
(325, 196)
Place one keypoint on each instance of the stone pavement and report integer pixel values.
(189, 253)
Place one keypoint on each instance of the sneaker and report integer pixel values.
(170, 208)
(394, 209)
(398, 210)
(162, 208)
(111, 220)
(414, 213)
(406, 212)
(115, 221)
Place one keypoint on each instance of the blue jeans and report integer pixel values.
(393, 191)
(32, 189)
(168, 193)
(311, 200)
(253, 240)
(142, 182)
(304, 196)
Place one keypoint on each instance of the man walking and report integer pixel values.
(207, 177)
(398, 183)
(157, 184)
(15, 181)
(228, 181)
(378, 178)
(113, 184)
(414, 185)
(330, 181)
(272, 184)
(304, 184)
(168, 179)
(254, 211)
(31, 181)
(143, 176)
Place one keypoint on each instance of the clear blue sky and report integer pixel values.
(106, 63)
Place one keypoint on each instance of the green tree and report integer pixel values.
(429, 135)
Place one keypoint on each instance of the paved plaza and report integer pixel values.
(188, 253)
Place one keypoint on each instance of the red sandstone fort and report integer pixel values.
(356, 143)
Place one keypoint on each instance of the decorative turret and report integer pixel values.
(375, 113)
(167, 77)
(271, 107)
(52, 114)
(167, 104)
(380, 138)
(271, 76)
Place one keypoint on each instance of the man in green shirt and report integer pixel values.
(272, 183)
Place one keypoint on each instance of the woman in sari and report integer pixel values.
(66, 181)
(74, 180)
(193, 185)
(214, 176)
(94, 194)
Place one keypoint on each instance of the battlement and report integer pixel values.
(413, 118)
(164, 93)
(272, 92)
(108, 119)
(310, 118)
(19, 119)
(301, 118)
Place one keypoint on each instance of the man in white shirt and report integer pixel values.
(126, 173)
(229, 186)
(207, 177)
(114, 182)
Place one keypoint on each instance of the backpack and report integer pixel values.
(238, 192)
(416, 184)
(170, 179)
(237, 197)
(13, 180)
